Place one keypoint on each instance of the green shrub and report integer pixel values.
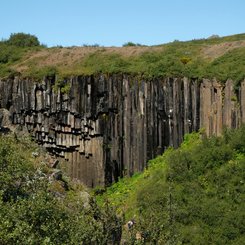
(129, 44)
(9, 54)
(23, 40)
(176, 59)
(12, 51)
(42, 72)
(185, 60)
(230, 65)
(191, 195)
(199, 195)
(32, 212)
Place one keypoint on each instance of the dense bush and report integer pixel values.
(198, 200)
(37, 210)
(131, 44)
(23, 40)
(191, 195)
(13, 50)
(8, 54)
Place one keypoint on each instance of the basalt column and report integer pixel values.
(106, 127)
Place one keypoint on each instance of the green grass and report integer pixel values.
(11, 55)
(176, 59)
(230, 65)
(100, 62)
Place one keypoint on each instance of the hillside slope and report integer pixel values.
(192, 195)
(222, 58)
(39, 205)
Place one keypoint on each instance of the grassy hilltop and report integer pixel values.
(219, 57)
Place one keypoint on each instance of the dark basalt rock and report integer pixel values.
(108, 127)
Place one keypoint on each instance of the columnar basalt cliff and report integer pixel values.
(110, 126)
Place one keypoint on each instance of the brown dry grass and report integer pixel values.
(67, 57)
(216, 50)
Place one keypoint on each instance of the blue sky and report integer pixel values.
(114, 22)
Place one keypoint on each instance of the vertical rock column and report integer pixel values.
(106, 127)
(242, 101)
(220, 106)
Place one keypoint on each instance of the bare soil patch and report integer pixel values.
(217, 50)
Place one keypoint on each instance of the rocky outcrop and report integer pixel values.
(106, 127)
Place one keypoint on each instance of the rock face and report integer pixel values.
(109, 126)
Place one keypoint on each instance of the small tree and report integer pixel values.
(129, 44)
(23, 40)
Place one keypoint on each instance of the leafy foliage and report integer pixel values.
(33, 210)
(131, 44)
(14, 49)
(23, 40)
(100, 62)
(191, 195)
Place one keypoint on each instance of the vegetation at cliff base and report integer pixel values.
(191, 195)
(39, 206)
